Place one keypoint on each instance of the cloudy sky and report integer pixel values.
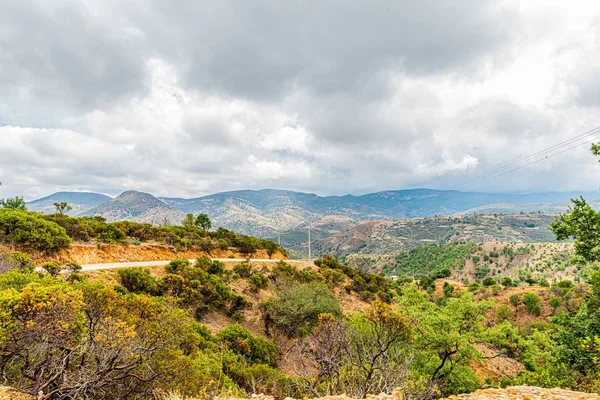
(192, 97)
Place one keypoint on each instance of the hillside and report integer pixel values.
(137, 207)
(385, 237)
(80, 201)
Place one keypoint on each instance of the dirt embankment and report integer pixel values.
(105, 253)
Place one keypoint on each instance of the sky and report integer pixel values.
(194, 97)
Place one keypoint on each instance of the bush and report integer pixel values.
(489, 281)
(254, 350)
(137, 280)
(216, 268)
(15, 261)
(32, 232)
(243, 269)
(507, 282)
(258, 281)
(515, 300)
(73, 267)
(177, 265)
(296, 309)
(532, 303)
(52, 268)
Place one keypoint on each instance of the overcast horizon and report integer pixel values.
(329, 97)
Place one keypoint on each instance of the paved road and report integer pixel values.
(96, 267)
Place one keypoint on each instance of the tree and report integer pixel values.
(84, 342)
(62, 208)
(188, 221)
(582, 223)
(203, 222)
(296, 308)
(16, 203)
(366, 353)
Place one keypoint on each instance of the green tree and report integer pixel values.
(582, 223)
(15, 203)
(295, 309)
(203, 221)
(188, 221)
(62, 208)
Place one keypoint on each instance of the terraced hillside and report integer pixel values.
(473, 262)
(387, 237)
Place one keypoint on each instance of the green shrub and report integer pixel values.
(73, 267)
(243, 269)
(52, 268)
(30, 231)
(137, 280)
(507, 282)
(258, 281)
(555, 302)
(177, 265)
(216, 268)
(532, 303)
(489, 281)
(295, 309)
(254, 350)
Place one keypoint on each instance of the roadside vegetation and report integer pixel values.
(50, 233)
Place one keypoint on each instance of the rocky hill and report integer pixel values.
(80, 201)
(137, 207)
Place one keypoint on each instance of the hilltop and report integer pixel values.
(137, 207)
(80, 201)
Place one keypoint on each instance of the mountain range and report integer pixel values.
(285, 215)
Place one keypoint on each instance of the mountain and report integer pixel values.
(386, 237)
(285, 215)
(80, 201)
(137, 207)
(266, 212)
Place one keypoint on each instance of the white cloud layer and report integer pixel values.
(333, 97)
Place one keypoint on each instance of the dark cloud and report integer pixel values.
(265, 49)
(62, 58)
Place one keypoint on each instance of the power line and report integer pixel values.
(542, 152)
(542, 159)
(529, 160)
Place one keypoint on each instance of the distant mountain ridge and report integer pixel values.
(80, 201)
(268, 212)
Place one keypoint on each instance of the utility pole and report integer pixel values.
(309, 255)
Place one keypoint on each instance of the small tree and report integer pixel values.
(188, 221)
(296, 309)
(16, 203)
(203, 222)
(515, 300)
(62, 208)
